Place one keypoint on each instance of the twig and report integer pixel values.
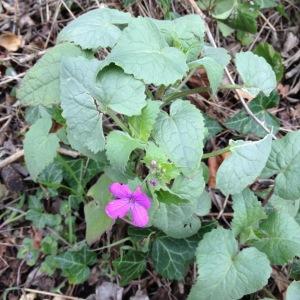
(213, 43)
(51, 294)
(20, 153)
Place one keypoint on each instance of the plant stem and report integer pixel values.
(113, 244)
(117, 120)
(216, 153)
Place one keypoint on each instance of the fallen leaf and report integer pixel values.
(109, 291)
(29, 296)
(245, 94)
(10, 41)
(283, 90)
(213, 166)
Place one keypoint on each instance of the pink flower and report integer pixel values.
(136, 203)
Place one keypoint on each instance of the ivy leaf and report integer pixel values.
(95, 29)
(213, 69)
(75, 264)
(51, 176)
(130, 266)
(256, 73)
(97, 222)
(41, 83)
(142, 125)
(49, 245)
(40, 147)
(284, 161)
(177, 221)
(40, 219)
(78, 88)
(223, 9)
(182, 141)
(244, 165)
(213, 127)
(185, 33)
(225, 272)
(279, 238)
(243, 123)
(143, 52)
(293, 291)
(242, 17)
(119, 147)
(272, 57)
(247, 214)
(120, 92)
(171, 257)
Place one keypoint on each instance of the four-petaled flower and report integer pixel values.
(135, 203)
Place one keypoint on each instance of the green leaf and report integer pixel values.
(185, 33)
(213, 69)
(41, 83)
(289, 206)
(225, 272)
(220, 55)
(40, 219)
(247, 214)
(51, 176)
(189, 187)
(293, 291)
(75, 264)
(49, 245)
(168, 197)
(284, 161)
(280, 238)
(256, 73)
(143, 52)
(213, 127)
(242, 17)
(177, 221)
(95, 29)
(181, 135)
(272, 57)
(244, 124)
(97, 222)
(40, 147)
(130, 266)
(78, 89)
(203, 204)
(142, 125)
(244, 165)
(223, 9)
(172, 257)
(28, 252)
(120, 92)
(119, 147)
(33, 113)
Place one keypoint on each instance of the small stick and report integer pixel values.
(51, 294)
(20, 153)
(212, 41)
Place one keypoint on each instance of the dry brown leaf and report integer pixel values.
(283, 90)
(213, 166)
(30, 296)
(10, 41)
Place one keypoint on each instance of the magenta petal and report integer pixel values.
(139, 215)
(120, 190)
(117, 208)
(141, 198)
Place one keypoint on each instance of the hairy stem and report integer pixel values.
(216, 153)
